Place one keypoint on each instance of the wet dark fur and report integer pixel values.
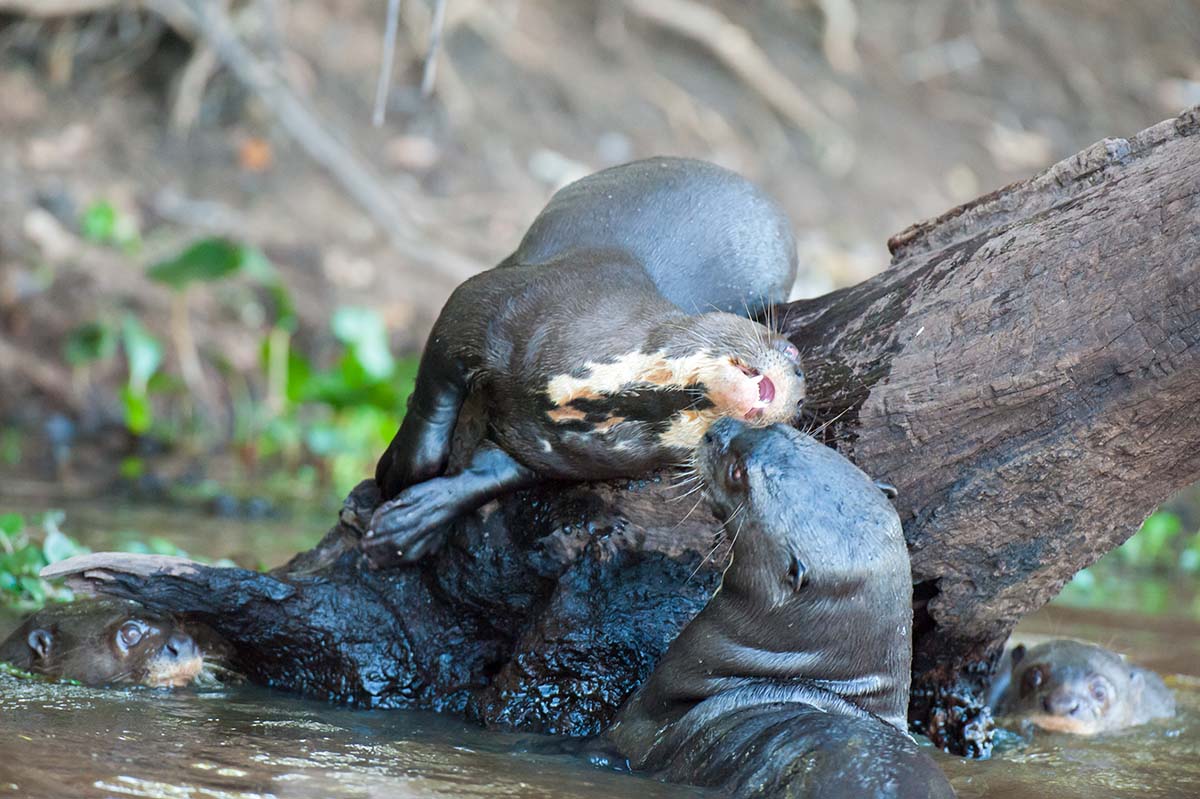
(1076, 687)
(793, 681)
(78, 641)
(615, 264)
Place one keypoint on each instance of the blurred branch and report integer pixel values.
(207, 21)
(307, 130)
(389, 57)
(734, 47)
(435, 42)
(841, 29)
(57, 8)
(40, 373)
(189, 91)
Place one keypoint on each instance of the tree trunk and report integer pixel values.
(1027, 373)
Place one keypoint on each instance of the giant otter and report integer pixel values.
(794, 679)
(105, 642)
(602, 348)
(1076, 687)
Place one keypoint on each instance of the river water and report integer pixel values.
(244, 742)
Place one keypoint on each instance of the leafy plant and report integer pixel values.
(143, 355)
(94, 341)
(103, 224)
(23, 556)
(1159, 548)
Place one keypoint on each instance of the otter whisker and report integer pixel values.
(707, 557)
(691, 491)
(685, 480)
(687, 515)
(821, 429)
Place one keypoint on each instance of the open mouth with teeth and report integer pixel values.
(766, 390)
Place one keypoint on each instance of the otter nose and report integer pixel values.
(180, 645)
(1060, 703)
(722, 432)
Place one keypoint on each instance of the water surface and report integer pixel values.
(60, 740)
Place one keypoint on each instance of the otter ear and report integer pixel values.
(1017, 654)
(888, 489)
(39, 641)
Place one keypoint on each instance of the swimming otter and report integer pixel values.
(1080, 688)
(794, 679)
(104, 642)
(602, 348)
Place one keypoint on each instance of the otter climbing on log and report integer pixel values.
(1027, 372)
(602, 348)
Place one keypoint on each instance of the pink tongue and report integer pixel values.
(766, 389)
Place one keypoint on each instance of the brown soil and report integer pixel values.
(946, 101)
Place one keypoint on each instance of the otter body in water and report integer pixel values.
(602, 348)
(1080, 688)
(793, 681)
(105, 642)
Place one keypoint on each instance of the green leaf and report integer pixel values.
(94, 341)
(59, 546)
(99, 222)
(132, 467)
(206, 260)
(285, 308)
(34, 588)
(363, 332)
(258, 267)
(143, 352)
(11, 524)
(138, 413)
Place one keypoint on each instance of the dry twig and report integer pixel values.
(735, 48)
(389, 57)
(435, 42)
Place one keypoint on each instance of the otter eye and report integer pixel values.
(1032, 680)
(1098, 691)
(130, 634)
(797, 573)
(788, 350)
(736, 474)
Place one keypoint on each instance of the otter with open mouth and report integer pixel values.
(602, 348)
(105, 642)
(793, 681)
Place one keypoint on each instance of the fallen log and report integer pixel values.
(1027, 373)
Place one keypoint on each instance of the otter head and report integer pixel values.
(105, 642)
(1083, 689)
(748, 371)
(817, 551)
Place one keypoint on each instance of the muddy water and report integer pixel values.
(67, 741)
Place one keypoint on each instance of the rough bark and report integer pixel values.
(1027, 373)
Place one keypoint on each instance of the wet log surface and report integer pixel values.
(1027, 373)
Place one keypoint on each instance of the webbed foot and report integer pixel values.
(412, 526)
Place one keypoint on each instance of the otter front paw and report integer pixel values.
(411, 526)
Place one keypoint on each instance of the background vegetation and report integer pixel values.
(212, 301)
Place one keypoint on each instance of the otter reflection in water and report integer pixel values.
(106, 642)
(1080, 688)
